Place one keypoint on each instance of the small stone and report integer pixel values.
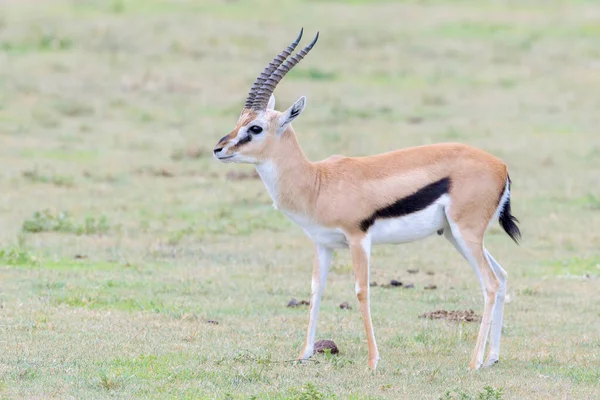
(394, 282)
(409, 286)
(345, 306)
(430, 287)
(413, 271)
(323, 345)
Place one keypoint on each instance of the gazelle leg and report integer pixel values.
(448, 234)
(472, 249)
(360, 247)
(321, 265)
(497, 314)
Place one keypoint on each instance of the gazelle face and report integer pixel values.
(258, 131)
(257, 134)
(249, 141)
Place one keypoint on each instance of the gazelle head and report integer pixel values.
(260, 127)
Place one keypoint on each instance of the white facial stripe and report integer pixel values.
(243, 132)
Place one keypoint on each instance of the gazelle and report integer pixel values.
(356, 202)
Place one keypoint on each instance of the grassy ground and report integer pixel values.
(120, 235)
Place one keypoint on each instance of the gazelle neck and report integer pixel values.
(289, 176)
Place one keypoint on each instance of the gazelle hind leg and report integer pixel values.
(470, 245)
(498, 313)
(448, 235)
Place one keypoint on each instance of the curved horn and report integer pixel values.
(267, 88)
(279, 58)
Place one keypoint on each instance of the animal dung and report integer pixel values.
(409, 286)
(458, 316)
(430, 287)
(373, 284)
(412, 271)
(212, 322)
(345, 306)
(322, 345)
(296, 303)
(394, 282)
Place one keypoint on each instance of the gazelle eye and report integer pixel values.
(255, 129)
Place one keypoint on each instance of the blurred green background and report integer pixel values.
(121, 236)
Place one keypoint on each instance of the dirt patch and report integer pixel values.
(190, 152)
(155, 171)
(241, 176)
(457, 315)
(394, 283)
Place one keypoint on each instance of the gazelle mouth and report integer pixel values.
(226, 157)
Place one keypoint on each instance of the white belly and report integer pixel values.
(331, 237)
(411, 227)
(404, 229)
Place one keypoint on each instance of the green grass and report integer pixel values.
(121, 236)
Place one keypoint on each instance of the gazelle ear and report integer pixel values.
(290, 114)
(271, 105)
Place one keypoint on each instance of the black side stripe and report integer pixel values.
(417, 201)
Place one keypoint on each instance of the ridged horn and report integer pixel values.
(264, 93)
(280, 58)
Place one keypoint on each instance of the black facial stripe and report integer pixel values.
(244, 140)
(417, 201)
(224, 138)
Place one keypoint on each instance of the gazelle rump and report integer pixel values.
(356, 202)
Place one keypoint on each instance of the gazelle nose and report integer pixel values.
(217, 149)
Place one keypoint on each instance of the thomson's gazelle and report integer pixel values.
(394, 197)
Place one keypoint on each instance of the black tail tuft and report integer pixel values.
(508, 221)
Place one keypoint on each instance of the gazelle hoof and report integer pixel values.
(491, 361)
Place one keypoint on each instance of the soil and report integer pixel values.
(457, 315)
(241, 175)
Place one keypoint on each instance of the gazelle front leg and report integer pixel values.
(360, 247)
(322, 261)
